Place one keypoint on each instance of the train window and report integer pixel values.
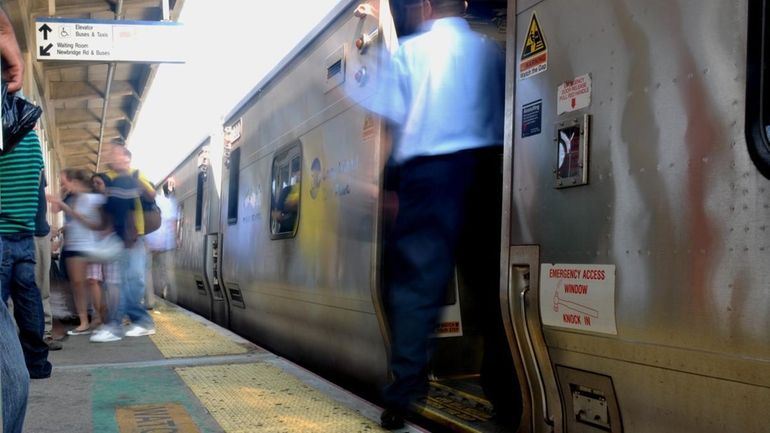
(232, 189)
(758, 85)
(199, 201)
(285, 192)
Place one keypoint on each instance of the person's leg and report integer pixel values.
(168, 258)
(14, 378)
(43, 277)
(76, 268)
(480, 257)
(132, 293)
(419, 260)
(149, 281)
(163, 274)
(113, 280)
(94, 289)
(28, 308)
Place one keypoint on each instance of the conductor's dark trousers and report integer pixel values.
(449, 210)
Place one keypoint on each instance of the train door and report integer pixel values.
(207, 214)
(477, 378)
(520, 260)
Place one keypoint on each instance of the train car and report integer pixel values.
(635, 210)
(195, 187)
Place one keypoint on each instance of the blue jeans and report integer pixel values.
(14, 378)
(17, 278)
(132, 263)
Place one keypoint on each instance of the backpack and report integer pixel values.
(150, 211)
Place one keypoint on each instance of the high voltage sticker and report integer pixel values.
(534, 54)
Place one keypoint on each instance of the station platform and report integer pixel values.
(191, 376)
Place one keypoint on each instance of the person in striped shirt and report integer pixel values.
(20, 176)
(14, 379)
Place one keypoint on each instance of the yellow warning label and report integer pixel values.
(535, 42)
(534, 54)
(164, 417)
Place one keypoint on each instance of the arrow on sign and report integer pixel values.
(45, 51)
(45, 29)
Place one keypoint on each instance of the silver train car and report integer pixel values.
(635, 271)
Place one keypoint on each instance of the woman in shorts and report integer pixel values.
(84, 220)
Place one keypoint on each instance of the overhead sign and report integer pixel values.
(534, 54)
(109, 40)
(578, 297)
(574, 95)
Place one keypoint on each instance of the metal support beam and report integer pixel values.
(110, 75)
(77, 91)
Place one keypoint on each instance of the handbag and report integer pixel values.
(150, 212)
(105, 249)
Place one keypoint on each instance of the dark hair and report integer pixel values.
(165, 189)
(448, 6)
(101, 176)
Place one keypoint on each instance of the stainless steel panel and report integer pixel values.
(302, 293)
(190, 255)
(673, 200)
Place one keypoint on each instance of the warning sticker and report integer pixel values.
(574, 95)
(580, 297)
(534, 54)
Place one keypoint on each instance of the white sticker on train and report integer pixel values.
(574, 95)
(580, 297)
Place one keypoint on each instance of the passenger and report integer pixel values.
(443, 92)
(84, 222)
(286, 207)
(14, 377)
(162, 244)
(95, 272)
(43, 263)
(20, 175)
(125, 212)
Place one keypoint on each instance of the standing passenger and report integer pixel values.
(84, 222)
(14, 378)
(20, 175)
(444, 95)
(43, 263)
(162, 244)
(125, 211)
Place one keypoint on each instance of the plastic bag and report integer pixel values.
(105, 249)
(19, 117)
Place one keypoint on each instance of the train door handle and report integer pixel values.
(526, 260)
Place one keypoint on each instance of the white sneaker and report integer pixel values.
(138, 331)
(104, 336)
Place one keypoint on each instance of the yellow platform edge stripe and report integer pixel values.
(178, 336)
(261, 398)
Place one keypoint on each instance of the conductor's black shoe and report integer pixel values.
(392, 419)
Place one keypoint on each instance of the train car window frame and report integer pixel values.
(758, 85)
(199, 201)
(232, 187)
(286, 183)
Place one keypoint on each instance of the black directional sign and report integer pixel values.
(45, 29)
(46, 51)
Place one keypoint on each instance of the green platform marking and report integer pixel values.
(114, 388)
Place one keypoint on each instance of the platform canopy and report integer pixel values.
(74, 93)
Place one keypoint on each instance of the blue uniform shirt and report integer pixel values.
(444, 89)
